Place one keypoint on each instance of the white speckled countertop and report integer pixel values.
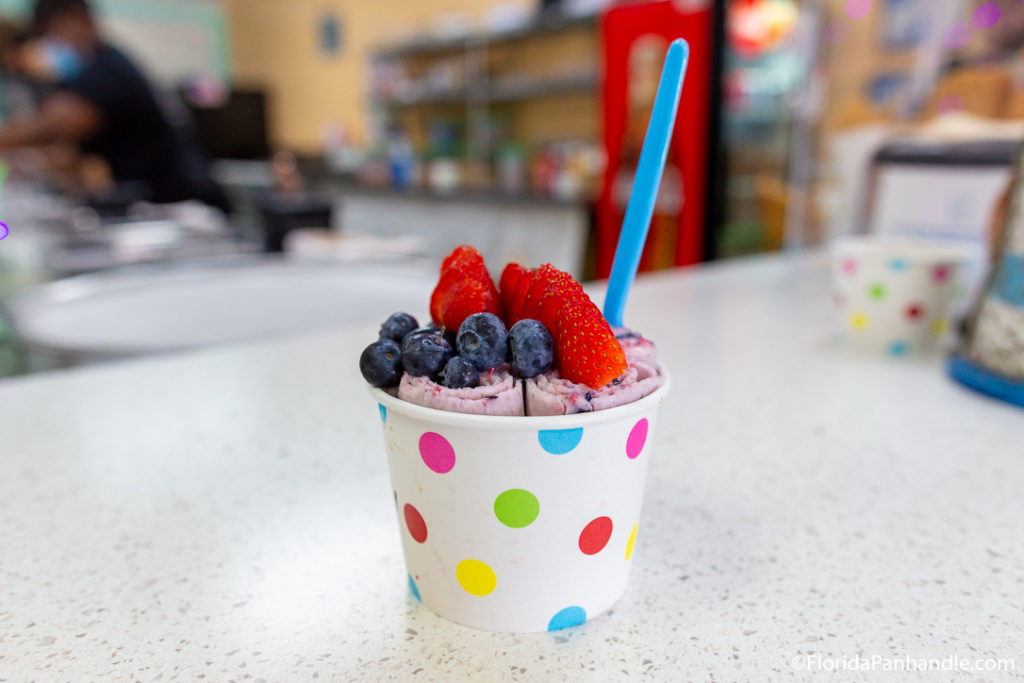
(226, 515)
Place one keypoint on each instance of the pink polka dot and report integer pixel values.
(849, 266)
(857, 9)
(940, 273)
(637, 438)
(436, 452)
(986, 15)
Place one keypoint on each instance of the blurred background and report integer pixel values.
(182, 173)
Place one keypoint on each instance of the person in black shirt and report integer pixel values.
(102, 103)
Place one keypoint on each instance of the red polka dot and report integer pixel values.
(915, 311)
(940, 273)
(414, 521)
(595, 535)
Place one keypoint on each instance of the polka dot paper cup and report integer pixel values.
(896, 295)
(518, 524)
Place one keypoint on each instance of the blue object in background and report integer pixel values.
(905, 22)
(330, 34)
(1009, 280)
(986, 382)
(400, 159)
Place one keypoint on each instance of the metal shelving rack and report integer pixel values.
(481, 90)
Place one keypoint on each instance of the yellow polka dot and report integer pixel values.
(475, 577)
(940, 326)
(631, 542)
(859, 321)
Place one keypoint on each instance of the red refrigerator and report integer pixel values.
(634, 39)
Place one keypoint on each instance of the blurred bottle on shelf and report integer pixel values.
(443, 175)
(511, 169)
(400, 159)
(340, 155)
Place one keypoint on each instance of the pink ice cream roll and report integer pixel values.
(499, 393)
(639, 351)
(550, 394)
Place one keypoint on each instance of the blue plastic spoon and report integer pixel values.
(648, 178)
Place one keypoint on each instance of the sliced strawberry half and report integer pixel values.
(464, 264)
(466, 298)
(540, 282)
(515, 308)
(588, 352)
(561, 290)
(460, 253)
(509, 278)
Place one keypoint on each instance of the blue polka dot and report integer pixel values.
(898, 264)
(559, 441)
(383, 412)
(414, 589)
(898, 348)
(570, 616)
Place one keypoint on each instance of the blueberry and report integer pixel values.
(531, 348)
(432, 330)
(448, 334)
(459, 373)
(425, 352)
(419, 332)
(381, 363)
(483, 341)
(397, 326)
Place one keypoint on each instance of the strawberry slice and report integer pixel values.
(515, 306)
(464, 263)
(466, 298)
(588, 352)
(455, 274)
(561, 289)
(462, 252)
(539, 284)
(509, 277)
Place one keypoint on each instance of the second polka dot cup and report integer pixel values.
(896, 295)
(518, 524)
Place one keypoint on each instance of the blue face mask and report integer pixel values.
(65, 62)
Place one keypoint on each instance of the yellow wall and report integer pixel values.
(275, 44)
(855, 60)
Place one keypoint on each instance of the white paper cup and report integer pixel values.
(896, 295)
(518, 524)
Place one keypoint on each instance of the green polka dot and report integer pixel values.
(516, 508)
(876, 291)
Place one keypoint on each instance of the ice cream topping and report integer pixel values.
(536, 346)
